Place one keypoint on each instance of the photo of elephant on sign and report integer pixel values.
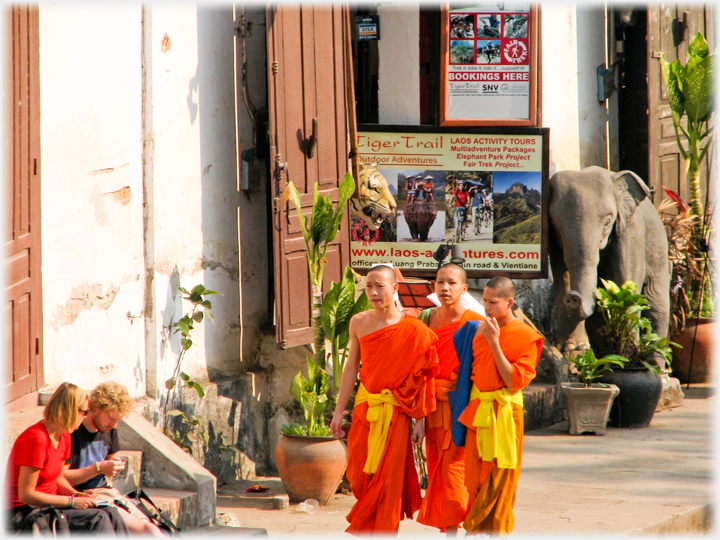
(420, 196)
(603, 225)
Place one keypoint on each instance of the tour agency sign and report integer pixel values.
(489, 64)
(485, 189)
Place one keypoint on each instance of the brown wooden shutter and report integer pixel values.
(307, 98)
(665, 34)
(23, 304)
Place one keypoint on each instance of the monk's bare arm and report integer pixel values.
(491, 330)
(347, 381)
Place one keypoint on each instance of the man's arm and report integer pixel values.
(491, 330)
(347, 381)
(108, 467)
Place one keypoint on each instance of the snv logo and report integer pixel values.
(490, 88)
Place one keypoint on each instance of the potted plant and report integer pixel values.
(311, 462)
(589, 402)
(629, 334)
(691, 323)
(691, 91)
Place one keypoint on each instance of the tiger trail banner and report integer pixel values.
(483, 188)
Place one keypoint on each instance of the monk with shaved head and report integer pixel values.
(394, 355)
(446, 498)
(498, 357)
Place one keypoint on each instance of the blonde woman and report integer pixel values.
(35, 467)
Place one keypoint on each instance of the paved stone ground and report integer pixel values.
(653, 481)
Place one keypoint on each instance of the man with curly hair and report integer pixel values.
(94, 445)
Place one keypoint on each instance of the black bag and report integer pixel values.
(45, 521)
(150, 509)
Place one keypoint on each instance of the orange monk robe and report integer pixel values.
(446, 498)
(403, 359)
(492, 489)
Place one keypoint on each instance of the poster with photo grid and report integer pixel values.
(489, 64)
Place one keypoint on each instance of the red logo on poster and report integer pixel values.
(515, 51)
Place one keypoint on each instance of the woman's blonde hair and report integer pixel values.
(64, 405)
(110, 396)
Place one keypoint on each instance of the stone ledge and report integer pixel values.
(697, 520)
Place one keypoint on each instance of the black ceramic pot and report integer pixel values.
(639, 395)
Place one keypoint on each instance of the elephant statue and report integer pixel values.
(420, 216)
(603, 225)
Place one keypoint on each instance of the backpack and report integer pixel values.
(145, 504)
(45, 521)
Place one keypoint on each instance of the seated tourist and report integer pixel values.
(93, 459)
(35, 466)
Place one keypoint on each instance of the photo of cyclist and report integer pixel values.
(461, 200)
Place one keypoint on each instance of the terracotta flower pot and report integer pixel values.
(702, 369)
(588, 407)
(311, 467)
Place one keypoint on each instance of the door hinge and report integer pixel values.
(275, 67)
(37, 345)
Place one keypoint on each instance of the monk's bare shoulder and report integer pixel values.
(361, 324)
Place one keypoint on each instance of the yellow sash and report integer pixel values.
(379, 414)
(496, 436)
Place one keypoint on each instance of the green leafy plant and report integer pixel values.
(201, 308)
(691, 95)
(337, 309)
(590, 368)
(626, 331)
(318, 232)
(311, 394)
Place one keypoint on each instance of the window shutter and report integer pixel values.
(307, 80)
(23, 303)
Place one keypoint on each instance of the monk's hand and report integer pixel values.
(418, 433)
(336, 426)
(490, 329)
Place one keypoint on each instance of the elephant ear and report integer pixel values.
(629, 191)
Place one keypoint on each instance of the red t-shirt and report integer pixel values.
(461, 197)
(33, 448)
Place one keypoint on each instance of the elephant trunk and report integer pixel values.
(580, 299)
(577, 305)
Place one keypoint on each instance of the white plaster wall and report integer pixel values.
(399, 65)
(193, 216)
(598, 120)
(560, 84)
(91, 147)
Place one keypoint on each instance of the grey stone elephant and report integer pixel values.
(603, 225)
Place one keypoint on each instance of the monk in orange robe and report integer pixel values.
(504, 353)
(446, 498)
(398, 358)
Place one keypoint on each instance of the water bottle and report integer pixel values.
(310, 506)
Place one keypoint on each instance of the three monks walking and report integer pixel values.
(460, 376)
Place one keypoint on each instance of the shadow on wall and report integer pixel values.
(236, 241)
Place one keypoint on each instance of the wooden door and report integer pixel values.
(307, 80)
(23, 305)
(671, 28)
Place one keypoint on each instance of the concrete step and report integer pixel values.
(128, 479)
(180, 507)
